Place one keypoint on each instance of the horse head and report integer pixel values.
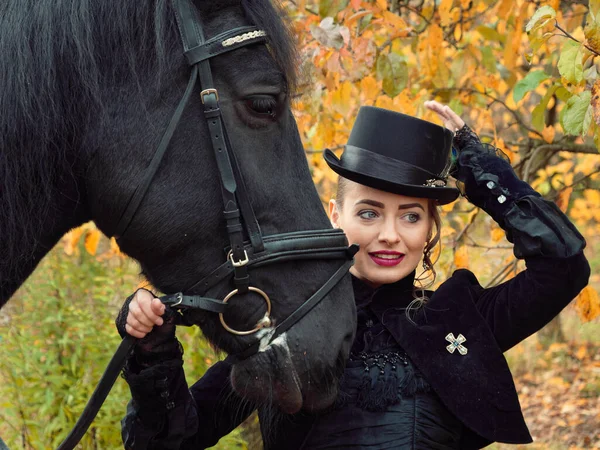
(91, 93)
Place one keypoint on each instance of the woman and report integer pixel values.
(426, 369)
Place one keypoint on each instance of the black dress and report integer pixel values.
(384, 403)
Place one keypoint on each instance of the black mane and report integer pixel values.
(55, 60)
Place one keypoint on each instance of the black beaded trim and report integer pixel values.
(380, 360)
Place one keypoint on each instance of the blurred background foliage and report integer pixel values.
(523, 74)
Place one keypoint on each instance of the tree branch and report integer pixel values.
(555, 196)
(514, 113)
(567, 34)
(568, 147)
(489, 247)
(502, 273)
(464, 230)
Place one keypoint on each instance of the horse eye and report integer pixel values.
(262, 105)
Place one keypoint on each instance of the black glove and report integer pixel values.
(157, 346)
(484, 175)
(536, 227)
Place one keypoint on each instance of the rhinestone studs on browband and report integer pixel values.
(243, 37)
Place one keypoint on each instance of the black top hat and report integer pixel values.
(397, 153)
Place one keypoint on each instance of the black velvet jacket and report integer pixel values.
(476, 387)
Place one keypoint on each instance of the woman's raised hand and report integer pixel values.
(145, 311)
(451, 120)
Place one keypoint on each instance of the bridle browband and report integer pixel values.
(257, 250)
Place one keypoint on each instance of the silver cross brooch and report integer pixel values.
(456, 343)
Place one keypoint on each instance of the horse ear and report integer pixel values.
(334, 213)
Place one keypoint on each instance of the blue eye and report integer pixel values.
(412, 217)
(367, 214)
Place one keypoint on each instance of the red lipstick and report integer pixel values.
(386, 258)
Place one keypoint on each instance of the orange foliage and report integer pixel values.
(588, 304)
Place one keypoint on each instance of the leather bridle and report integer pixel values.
(239, 216)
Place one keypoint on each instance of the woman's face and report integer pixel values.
(391, 230)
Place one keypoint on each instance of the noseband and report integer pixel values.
(239, 216)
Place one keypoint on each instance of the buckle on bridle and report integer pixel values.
(179, 297)
(206, 92)
(241, 262)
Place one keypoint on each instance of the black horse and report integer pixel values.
(88, 89)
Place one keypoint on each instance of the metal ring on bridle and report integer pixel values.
(262, 323)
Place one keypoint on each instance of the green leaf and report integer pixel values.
(393, 70)
(590, 75)
(587, 120)
(570, 64)
(456, 106)
(531, 81)
(537, 115)
(597, 138)
(541, 17)
(488, 59)
(364, 22)
(563, 94)
(572, 116)
(490, 34)
(330, 8)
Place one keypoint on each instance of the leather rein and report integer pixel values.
(239, 216)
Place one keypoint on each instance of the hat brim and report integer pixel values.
(443, 195)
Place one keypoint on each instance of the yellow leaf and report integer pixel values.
(461, 257)
(323, 135)
(383, 101)
(383, 4)
(596, 102)
(582, 352)
(145, 284)
(558, 382)
(114, 247)
(92, 238)
(448, 207)
(562, 201)
(405, 103)
(447, 231)
(497, 234)
(369, 89)
(72, 239)
(444, 10)
(394, 20)
(548, 134)
(354, 17)
(592, 196)
(505, 8)
(341, 98)
(588, 304)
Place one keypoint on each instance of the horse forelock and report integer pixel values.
(58, 55)
(267, 16)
